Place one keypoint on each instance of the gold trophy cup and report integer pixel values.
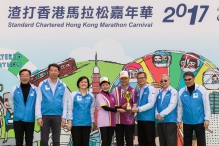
(128, 96)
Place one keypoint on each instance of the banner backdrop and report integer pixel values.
(101, 38)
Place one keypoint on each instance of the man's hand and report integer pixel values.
(92, 127)
(40, 122)
(121, 110)
(124, 105)
(179, 125)
(130, 112)
(63, 122)
(134, 110)
(206, 124)
(158, 117)
(69, 126)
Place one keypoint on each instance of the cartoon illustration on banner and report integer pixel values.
(173, 63)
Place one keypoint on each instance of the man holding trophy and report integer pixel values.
(145, 111)
(125, 122)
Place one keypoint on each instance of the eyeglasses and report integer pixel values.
(163, 81)
(24, 76)
(141, 78)
(189, 79)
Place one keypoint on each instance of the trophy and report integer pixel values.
(128, 96)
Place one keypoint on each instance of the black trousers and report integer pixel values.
(20, 128)
(80, 135)
(106, 134)
(53, 122)
(128, 130)
(146, 133)
(199, 131)
(167, 133)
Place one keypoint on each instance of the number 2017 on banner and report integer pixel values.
(193, 12)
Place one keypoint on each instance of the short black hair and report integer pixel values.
(1, 99)
(54, 65)
(214, 75)
(104, 82)
(81, 78)
(4, 97)
(24, 70)
(141, 72)
(189, 73)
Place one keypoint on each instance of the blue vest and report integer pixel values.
(148, 115)
(82, 109)
(25, 113)
(7, 118)
(52, 104)
(193, 109)
(161, 105)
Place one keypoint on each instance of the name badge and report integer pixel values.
(195, 95)
(159, 96)
(59, 88)
(47, 88)
(79, 98)
(32, 94)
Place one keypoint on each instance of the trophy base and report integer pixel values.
(128, 108)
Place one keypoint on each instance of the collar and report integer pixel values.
(196, 87)
(31, 85)
(52, 81)
(145, 86)
(104, 93)
(168, 89)
(125, 88)
(78, 92)
(49, 80)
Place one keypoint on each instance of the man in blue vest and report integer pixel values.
(193, 110)
(50, 106)
(145, 111)
(166, 113)
(22, 100)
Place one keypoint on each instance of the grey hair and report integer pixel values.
(165, 75)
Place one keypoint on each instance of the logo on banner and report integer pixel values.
(218, 15)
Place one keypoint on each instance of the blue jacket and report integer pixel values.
(81, 109)
(166, 107)
(48, 103)
(145, 104)
(195, 108)
(25, 113)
